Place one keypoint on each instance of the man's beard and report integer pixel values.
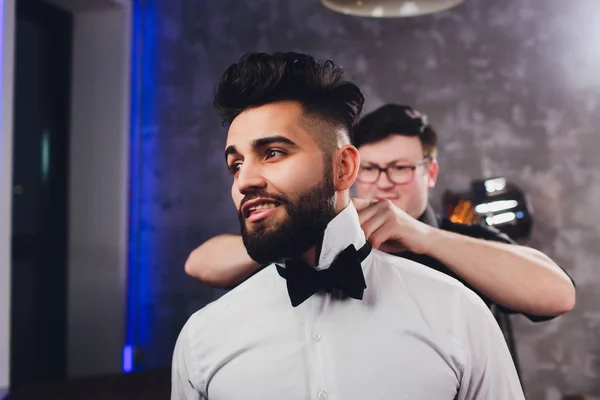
(303, 227)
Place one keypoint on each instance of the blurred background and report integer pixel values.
(111, 166)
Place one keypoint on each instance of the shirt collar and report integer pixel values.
(343, 230)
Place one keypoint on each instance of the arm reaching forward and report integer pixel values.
(221, 261)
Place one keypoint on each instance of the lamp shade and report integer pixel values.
(389, 8)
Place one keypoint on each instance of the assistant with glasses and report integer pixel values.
(398, 151)
(397, 172)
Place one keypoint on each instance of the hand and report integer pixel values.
(390, 229)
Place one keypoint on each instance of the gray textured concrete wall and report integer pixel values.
(512, 86)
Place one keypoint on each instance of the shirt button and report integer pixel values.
(323, 395)
(317, 336)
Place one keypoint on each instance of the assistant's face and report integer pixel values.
(398, 151)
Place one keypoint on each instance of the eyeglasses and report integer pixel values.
(396, 173)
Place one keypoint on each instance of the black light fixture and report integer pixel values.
(389, 8)
(495, 202)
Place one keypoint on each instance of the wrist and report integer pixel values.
(432, 240)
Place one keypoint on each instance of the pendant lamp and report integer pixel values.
(389, 8)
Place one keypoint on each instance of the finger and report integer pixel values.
(375, 219)
(361, 204)
(373, 209)
(367, 214)
(382, 234)
(378, 214)
(371, 225)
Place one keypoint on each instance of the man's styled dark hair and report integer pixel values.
(259, 79)
(394, 119)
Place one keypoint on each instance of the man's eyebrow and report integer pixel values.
(256, 143)
(262, 142)
(230, 150)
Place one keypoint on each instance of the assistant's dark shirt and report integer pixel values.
(475, 231)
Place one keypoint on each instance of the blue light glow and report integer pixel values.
(520, 214)
(127, 358)
(45, 156)
(143, 81)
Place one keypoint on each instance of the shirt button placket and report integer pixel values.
(315, 334)
(322, 395)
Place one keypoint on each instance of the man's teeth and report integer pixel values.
(263, 206)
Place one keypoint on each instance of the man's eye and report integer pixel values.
(400, 167)
(367, 168)
(235, 167)
(274, 153)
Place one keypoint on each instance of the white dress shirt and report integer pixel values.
(416, 335)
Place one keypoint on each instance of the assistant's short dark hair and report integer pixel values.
(259, 79)
(394, 119)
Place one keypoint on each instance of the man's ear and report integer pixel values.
(432, 172)
(345, 167)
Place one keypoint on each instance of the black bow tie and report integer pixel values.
(344, 274)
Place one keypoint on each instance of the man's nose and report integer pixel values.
(250, 178)
(383, 182)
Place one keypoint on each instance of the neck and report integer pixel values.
(422, 212)
(311, 256)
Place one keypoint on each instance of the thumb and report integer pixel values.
(361, 204)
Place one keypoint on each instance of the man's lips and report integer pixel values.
(258, 206)
(259, 215)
